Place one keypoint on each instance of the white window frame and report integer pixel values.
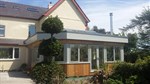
(2, 28)
(32, 26)
(78, 61)
(13, 56)
(114, 56)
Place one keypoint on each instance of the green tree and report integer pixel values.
(48, 71)
(50, 49)
(52, 25)
(102, 31)
(142, 23)
(132, 43)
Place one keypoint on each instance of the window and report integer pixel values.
(16, 55)
(110, 56)
(79, 53)
(117, 53)
(113, 54)
(101, 56)
(2, 5)
(74, 52)
(83, 53)
(32, 9)
(32, 30)
(2, 30)
(94, 57)
(61, 56)
(9, 53)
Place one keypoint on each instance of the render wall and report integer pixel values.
(69, 15)
(16, 28)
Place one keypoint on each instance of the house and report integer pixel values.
(84, 51)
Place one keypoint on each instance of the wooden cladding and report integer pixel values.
(77, 69)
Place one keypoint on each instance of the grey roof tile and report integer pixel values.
(10, 9)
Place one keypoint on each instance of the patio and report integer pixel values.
(15, 78)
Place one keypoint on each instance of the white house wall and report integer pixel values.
(16, 28)
(69, 15)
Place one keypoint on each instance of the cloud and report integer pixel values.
(98, 10)
(123, 11)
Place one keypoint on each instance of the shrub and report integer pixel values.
(132, 80)
(47, 73)
(50, 49)
(123, 71)
(23, 67)
(131, 57)
(143, 66)
(112, 81)
(52, 25)
(133, 73)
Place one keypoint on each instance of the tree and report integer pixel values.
(51, 48)
(131, 52)
(132, 41)
(48, 71)
(52, 25)
(142, 23)
(102, 31)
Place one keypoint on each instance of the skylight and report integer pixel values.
(2, 5)
(16, 7)
(32, 9)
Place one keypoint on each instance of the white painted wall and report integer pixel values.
(16, 28)
(69, 15)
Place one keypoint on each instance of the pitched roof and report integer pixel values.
(10, 9)
(76, 5)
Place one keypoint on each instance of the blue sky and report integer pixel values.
(98, 10)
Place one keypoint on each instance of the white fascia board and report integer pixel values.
(42, 36)
(77, 36)
(103, 38)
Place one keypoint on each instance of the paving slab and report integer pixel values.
(15, 78)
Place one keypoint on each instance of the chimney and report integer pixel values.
(50, 5)
(111, 23)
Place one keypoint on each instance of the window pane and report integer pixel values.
(61, 56)
(117, 53)
(6, 53)
(16, 55)
(32, 30)
(2, 30)
(94, 57)
(110, 54)
(74, 53)
(101, 56)
(83, 53)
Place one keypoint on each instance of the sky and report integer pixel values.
(98, 11)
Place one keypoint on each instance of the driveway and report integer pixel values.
(14, 78)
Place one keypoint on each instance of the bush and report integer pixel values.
(143, 66)
(132, 80)
(131, 57)
(133, 73)
(112, 81)
(124, 71)
(47, 73)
